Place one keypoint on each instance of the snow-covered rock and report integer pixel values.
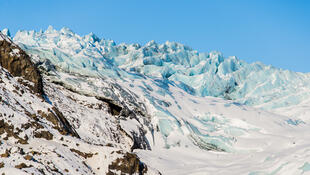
(60, 131)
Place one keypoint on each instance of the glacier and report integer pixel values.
(200, 74)
(196, 101)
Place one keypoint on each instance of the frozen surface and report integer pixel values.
(200, 74)
(209, 114)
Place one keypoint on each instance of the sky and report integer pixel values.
(275, 32)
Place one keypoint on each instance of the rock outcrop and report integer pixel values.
(129, 164)
(18, 63)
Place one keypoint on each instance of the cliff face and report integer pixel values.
(18, 63)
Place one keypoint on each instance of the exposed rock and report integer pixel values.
(114, 109)
(85, 155)
(22, 165)
(6, 154)
(11, 132)
(28, 157)
(18, 63)
(44, 134)
(1, 164)
(140, 141)
(59, 122)
(66, 127)
(129, 164)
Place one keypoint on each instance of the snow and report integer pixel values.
(96, 127)
(2, 37)
(6, 32)
(14, 52)
(12, 171)
(205, 113)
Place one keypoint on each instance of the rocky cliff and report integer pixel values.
(18, 63)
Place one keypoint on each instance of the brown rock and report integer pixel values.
(44, 134)
(1, 164)
(6, 154)
(85, 155)
(28, 157)
(22, 165)
(18, 63)
(129, 164)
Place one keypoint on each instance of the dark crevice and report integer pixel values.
(114, 109)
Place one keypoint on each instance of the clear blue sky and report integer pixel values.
(275, 32)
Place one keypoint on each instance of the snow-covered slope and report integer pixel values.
(181, 111)
(59, 131)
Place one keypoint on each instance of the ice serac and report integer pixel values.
(200, 74)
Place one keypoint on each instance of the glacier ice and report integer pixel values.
(158, 71)
(200, 74)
